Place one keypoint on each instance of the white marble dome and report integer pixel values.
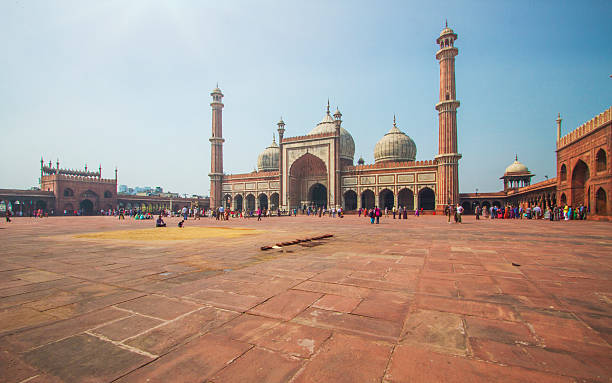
(517, 167)
(268, 160)
(347, 145)
(395, 146)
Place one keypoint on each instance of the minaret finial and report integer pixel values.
(217, 84)
(446, 23)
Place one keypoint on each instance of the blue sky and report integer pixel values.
(127, 83)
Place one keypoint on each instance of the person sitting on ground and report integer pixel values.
(180, 224)
(160, 222)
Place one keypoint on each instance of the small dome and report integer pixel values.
(268, 160)
(446, 31)
(516, 167)
(395, 146)
(347, 145)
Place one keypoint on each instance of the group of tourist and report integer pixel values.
(400, 213)
(322, 211)
(454, 212)
(554, 213)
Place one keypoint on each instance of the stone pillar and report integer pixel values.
(395, 193)
(358, 199)
(216, 149)
(447, 190)
(416, 200)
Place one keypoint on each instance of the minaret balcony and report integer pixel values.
(446, 53)
(447, 106)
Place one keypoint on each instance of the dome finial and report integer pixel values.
(516, 157)
(328, 106)
(273, 138)
(394, 125)
(445, 23)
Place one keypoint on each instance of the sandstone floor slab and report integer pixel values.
(414, 300)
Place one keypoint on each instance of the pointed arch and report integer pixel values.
(580, 176)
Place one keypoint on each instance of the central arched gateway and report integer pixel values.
(308, 182)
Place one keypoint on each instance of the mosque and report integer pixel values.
(318, 168)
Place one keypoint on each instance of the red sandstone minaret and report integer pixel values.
(216, 149)
(448, 157)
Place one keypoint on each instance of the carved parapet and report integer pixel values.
(389, 165)
(307, 137)
(254, 174)
(596, 122)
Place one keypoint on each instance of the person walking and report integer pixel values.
(371, 216)
(378, 213)
(459, 213)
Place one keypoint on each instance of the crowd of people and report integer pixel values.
(453, 213)
(555, 213)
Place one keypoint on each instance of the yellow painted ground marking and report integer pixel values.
(172, 233)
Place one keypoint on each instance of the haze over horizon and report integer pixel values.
(128, 84)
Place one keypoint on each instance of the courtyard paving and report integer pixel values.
(414, 300)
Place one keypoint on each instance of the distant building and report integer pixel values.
(83, 192)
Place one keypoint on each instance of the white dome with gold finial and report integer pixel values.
(328, 125)
(395, 146)
(516, 167)
(269, 159)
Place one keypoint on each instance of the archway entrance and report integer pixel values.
(467, 207)
(238, 203)
(274, 201)
(427, 199)
(385, 199)
(580, 175)
(601, 202)
(263, 201)
(308, 182)
(405, 199)
(318, 195)
(86, 207)
(350, 200)
(228, 201)
(367, 199)
(250, 202)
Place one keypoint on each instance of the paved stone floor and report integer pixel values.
(404, 301)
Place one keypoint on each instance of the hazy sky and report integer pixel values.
(127, 83)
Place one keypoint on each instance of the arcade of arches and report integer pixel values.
(405, 198)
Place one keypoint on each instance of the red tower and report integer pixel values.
(448, 157)
(216, 149)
